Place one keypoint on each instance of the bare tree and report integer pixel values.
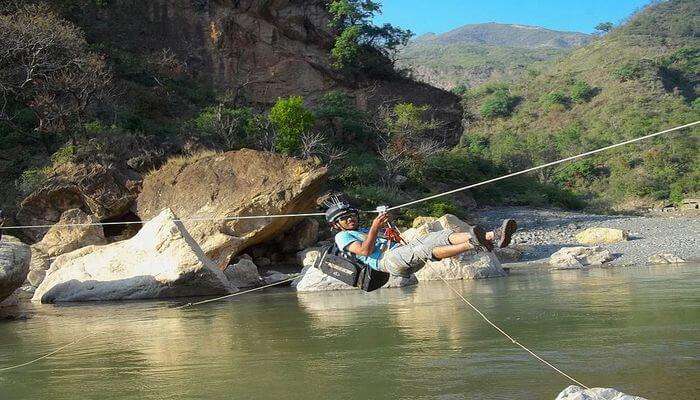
(45, 65)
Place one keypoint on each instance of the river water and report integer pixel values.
(636, 329)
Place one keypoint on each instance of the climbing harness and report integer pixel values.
(367, 270)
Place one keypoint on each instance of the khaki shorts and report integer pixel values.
(409, 258)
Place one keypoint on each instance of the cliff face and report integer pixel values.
(257, 50)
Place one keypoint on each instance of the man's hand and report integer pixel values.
(380, 221)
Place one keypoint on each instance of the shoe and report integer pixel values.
(478, 239)
(503, 235)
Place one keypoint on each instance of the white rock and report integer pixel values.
(313, 280)
(15, 257)
(579, 257)
(469, 265)
(594, 236)
(61, 239)
(243, 274)
(161, 261)
(578, 393)
(665, 258)
(449, 221)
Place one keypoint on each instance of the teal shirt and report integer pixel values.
(345, 238)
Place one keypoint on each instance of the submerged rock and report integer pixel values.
(579, 257)
(14, 265)
(223, 186)
(595, 236)
(161, 261)
(578, 393)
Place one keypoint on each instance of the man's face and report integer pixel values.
(347, 222)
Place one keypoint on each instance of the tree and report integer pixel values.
(45, 65)
(604, 27)
(359, 37)
(291, 120)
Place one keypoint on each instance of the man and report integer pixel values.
(380, 253)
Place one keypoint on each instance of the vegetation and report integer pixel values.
(638, 79)
(291, 120)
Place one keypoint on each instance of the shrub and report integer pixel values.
(30, 180)
(581, 92)
(553, 100)
(290, 119)
(629, 71)
(341, 117)
(499, 104)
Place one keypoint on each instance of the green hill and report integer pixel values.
(638, 79)
(473, 54)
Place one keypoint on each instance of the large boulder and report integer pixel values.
(579, 257)
(578, 393)
(218, 187)
(596, 236)
(104, 191)
(161, 261)
(14, 265)
(72, 232)
(63, 238)
(470, 265)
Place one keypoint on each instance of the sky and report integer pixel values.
(439, 16)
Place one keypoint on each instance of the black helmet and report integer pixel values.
(337, 209)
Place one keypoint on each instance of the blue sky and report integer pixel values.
(422, 16)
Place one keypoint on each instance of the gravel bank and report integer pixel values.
(542, 232)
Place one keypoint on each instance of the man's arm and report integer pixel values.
(367, 247)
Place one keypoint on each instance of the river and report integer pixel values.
(636, 329)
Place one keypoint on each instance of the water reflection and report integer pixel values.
(604, 326)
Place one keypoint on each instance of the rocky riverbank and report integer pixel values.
(542, 232)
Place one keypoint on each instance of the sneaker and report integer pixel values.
(503, 235)
(478, 239)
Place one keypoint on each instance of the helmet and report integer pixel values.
(338, 208)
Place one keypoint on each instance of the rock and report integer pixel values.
(449, 221)
(64, 239)
(595, 236)
(227, 185)
(263, 261)
(508, 254)
(40, 260)
(300, 236)
(161, 261)
(106, 191)
(313, 280)
(578, 393)
(579, 257)
(665, 258)
(10, 301)
(418, 221)
(274, 277)
(690, 205)
(243, 274)
(36, 276)
(14, 265)
(469, 265)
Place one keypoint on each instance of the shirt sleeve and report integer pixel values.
(344, 239)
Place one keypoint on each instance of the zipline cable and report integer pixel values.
(247, 217)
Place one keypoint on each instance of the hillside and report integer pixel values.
(474, 54)
(641, 78)
(128, 84)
